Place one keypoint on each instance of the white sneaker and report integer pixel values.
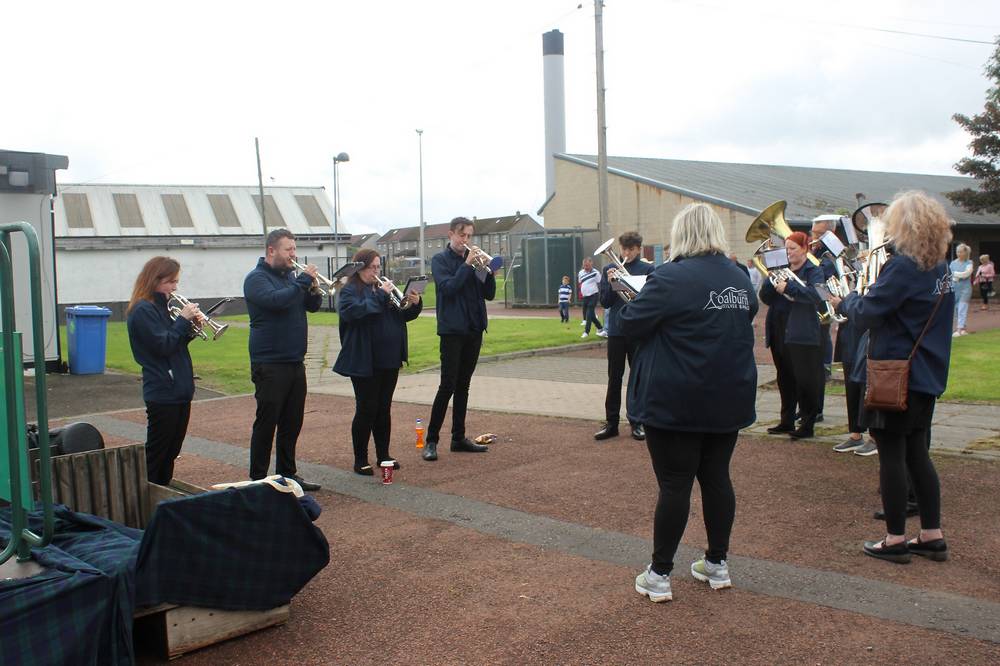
(602, 333)
(653, 585)
(583, 323)
(716, 575)
(956, 334)
(584, 334)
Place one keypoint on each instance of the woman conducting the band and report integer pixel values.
(160, 346)
(912, 294)
(693, 385)
(373, 348)
(792, 331)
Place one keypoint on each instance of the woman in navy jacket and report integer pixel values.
(693, 385)
(914, 282)
(373, 347)
(792, 331)
(160, 347)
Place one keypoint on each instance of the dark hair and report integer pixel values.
(630, 239)
(460, 222)
(365, 256)
(155, 271)
(276, 235)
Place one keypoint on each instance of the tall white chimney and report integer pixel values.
(555, 105)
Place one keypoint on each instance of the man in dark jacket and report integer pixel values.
(462, 292)
(277, 302)
(619, 349)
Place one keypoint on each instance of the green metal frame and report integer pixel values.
(22, 539)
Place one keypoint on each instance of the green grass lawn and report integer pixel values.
(975, 368)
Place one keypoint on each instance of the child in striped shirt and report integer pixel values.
(565, 291)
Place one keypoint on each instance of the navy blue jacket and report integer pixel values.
(461, 297)
(801, 321)
(896, 309)
(611, 301)
(372, 331)
(277, 302)
(828, 267)
(160, 346)
(694, 368)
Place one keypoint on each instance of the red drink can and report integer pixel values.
(387, 467)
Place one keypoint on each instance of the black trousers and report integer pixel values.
(984, 290)
(619, 351)
(827, 343)
(855, 394)
(459, 355)
(800, 370)
(280, 390)
(373, 413)
(590, 312)
(166, 426)
(678, 459)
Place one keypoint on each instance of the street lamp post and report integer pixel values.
(420, 148)
(342, 157)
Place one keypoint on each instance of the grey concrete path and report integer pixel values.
(956, 614)
(574, 387)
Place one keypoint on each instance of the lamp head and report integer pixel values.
(342, 157)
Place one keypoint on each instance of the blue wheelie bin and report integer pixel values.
(87, 335)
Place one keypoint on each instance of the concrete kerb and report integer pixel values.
(542, 351)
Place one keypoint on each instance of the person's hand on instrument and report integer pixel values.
(780, 285)
(473, 253)
(191, 312)
(413, 298)
(386, 286)
(835, 301)
(311, 271)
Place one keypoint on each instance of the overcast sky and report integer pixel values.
(156, 92)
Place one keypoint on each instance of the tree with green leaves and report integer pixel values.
(985, 161)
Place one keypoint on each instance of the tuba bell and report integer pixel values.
(871, 229)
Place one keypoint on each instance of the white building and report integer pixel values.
(105, 233)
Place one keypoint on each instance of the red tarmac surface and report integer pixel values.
(405, 589)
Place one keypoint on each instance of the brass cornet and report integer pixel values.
(619, 272)
(176, 303)
(396, 297)
(322, 279)
(484, 262)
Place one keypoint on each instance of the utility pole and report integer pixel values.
(602, 128)
(423, 257)
(260, 185)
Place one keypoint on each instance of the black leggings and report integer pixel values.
(373, 413)
(984, 290)
(678, 458)
(166, 426)
(898, 454)
(854, 393)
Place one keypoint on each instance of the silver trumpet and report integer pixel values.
(625, 290)
(396, 297)
(484, 262)
(322, 279)
(176, 303)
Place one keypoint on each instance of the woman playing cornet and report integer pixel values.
(160, 345)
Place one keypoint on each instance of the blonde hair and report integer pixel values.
(984, 258)
(697, 230)
(919, 227)
(962, 248)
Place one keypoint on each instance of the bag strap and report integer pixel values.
(926, 326)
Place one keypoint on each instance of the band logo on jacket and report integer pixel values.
(730, 298)
(943, 285)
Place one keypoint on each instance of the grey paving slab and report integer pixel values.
(956, 614)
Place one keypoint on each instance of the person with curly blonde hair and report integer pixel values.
(913, 293)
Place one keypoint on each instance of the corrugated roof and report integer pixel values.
(809, 191)
(484, 225)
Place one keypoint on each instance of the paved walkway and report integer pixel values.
(574, 387)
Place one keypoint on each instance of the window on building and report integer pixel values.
(274, 218)
(223, 210)
(129, 215)
(177, 211)
(77, 211)
(312, 211)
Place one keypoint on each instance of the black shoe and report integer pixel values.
(819, 418)
(911, 510)
(638, 432)
(364, 470)
(935, 549)
(897, 553)
(431, 451)
(780, 429)
(607, 431)
(801, 433)
(466, 445)
(307, 486)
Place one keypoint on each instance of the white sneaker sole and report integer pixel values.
(714, 584)
(655, 597)
(848, 450)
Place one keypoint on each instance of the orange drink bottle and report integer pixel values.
(420, 434)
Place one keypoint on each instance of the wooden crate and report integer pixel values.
(112, 483)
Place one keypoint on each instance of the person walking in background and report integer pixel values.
(985, 275)
(565, 292)
(620, 350)
(277, 302)
(961, 280)
(693, 384)
(160, 347)
(461, 322)
(907, 314)
(373, 348)
(589, 279)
